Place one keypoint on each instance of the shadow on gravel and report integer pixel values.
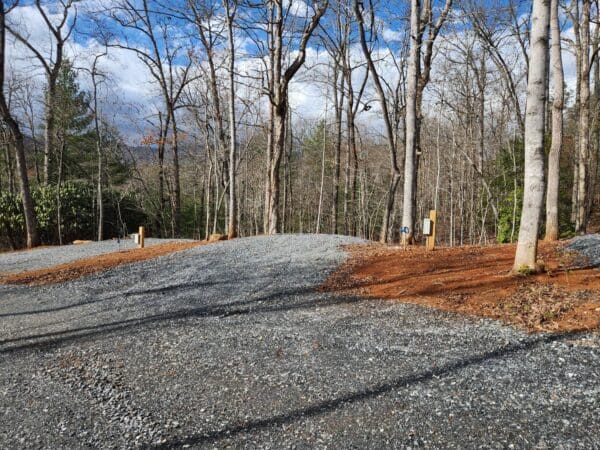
(182, 287)
(334, 404)
(47, 341)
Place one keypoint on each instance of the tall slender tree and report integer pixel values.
(557, 127)
(584, 118)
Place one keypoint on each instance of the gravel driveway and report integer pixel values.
(231, 345)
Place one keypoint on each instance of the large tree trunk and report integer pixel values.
(584, 119)
(279, 121)
(411, 120)
(526, 255)
(31, 225)
(557, 128)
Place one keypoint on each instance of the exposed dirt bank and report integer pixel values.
(476, 280)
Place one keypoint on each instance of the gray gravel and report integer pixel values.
(40, 258)
(589, 247)
(231, 345)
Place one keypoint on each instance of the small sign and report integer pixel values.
(404, 230)
(427, 227)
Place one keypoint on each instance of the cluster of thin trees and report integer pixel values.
(461, 106)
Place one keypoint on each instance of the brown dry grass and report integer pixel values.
(477, 281)
(81, 267)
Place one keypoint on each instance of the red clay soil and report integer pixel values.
(477, 281)
(86, 266)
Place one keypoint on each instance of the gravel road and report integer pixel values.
(39, 258)
(231, 345)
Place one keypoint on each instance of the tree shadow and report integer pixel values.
(330, 405)
(181, 287)
(283, 303)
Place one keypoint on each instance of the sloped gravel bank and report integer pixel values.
(39, 258)
(232, 344)
(589, 247)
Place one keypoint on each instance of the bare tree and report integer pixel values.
(557, 126)
(30, 218)
(584, 118)
(52, 64)
(230, 12)
(389, 129)
(526, 255)
(418, 75)
(97, 76)
(160, 52)
(279, 80)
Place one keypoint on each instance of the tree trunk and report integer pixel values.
(176, 177)
(232, 231)
(31, 225)
(338, 100)
(279, 121)
(552, 224)
(533, 197)
(324, 146)
(410, 163)
(584, 120)
(49, 131)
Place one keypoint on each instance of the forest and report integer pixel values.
(201, 117)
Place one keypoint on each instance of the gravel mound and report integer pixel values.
(232, 345)
(40, 258)
(589, 247)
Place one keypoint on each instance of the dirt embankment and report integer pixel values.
(477, 281)
(87, 266)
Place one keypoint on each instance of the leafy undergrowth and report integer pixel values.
(548, 307)
(478, 281)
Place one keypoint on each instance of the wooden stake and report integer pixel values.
(431, 237)
(141, 237)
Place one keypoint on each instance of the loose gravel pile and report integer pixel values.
(589, 247)
(40, 258)
(231, 344)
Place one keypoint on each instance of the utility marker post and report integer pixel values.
(141, 237)
(403, 234)
(431, 235)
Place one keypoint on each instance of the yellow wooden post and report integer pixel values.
(141, 237)
(431, 237)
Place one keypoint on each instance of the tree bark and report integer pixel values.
(584, 119)
(552, 225)
(411, 127)
(232, 231)
(534, 186)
